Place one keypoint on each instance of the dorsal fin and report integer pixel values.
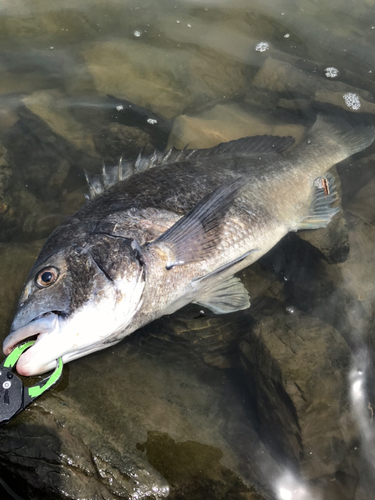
(258, 144)
(246, 146)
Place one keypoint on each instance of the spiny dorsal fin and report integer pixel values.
(113, 174)
(259, 144)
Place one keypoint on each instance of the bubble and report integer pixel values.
(262, 47)
(352, 101)
(151, 121)
(290, 309)
(137, 34)
(331, 72)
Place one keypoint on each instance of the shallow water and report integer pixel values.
(273, 403)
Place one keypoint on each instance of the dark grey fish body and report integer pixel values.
(173, 234)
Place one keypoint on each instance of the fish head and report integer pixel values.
(76, 301)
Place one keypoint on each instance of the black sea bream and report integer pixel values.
(173, 234)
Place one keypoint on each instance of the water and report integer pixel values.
(276, 402)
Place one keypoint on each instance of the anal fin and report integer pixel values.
(321, 211)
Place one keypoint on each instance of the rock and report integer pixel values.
(339, 294)
(42, 164)
(231, 37)
(8, 116)
(21, 214)
(50, 107)
(5, 177)
(15, 263)
(332, 242)
(142, 418)
(116, 140)
(223, 123)
(114, 430)
(356, 282)
(55, 463)
(39, 20)
(354, 175)
(122, 70)
(293, 104)
(33, 139)
(362, 203)
(169, 457)
(286, 357)
(348, 98)
(141, 73)
(214, 338)
(283, 77)
(260, 282)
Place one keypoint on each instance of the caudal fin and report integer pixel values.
(339, 137)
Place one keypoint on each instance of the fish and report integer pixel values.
(172, 229)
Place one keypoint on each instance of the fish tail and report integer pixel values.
(338, 139)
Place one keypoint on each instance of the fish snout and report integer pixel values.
(47, 323)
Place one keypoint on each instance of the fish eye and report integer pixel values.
(47, 277)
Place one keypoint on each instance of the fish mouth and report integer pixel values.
(38, 329)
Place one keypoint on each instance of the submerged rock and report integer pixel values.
(42, 162)
(114, 140)
(135, 424)
(138, 420)
(156, 77)
(282, 77)
(225, 122)
(297, 366)
(121, 69)
(5, 177)
(50, 107)
(187, 480)
(15, 263)
(340, 294)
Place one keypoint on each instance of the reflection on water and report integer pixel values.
(272, 403)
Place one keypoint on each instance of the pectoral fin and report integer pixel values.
(195, 236)
(321, 212)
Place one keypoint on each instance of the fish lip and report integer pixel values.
(39, 326)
